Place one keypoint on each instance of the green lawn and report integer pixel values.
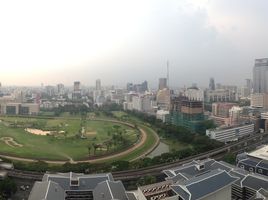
(58, 148)
(175, 145)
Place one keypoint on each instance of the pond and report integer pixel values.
(161, 148)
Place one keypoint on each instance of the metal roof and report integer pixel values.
(203, 185)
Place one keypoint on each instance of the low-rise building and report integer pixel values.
(215, 184)
(228, 134)
(161, 190)
(210, 179)
(20, 109)
(256, 161)
(63, 186)
(259, 100)
(162, 115)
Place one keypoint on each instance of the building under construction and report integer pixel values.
(187, 113)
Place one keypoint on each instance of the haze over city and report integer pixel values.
(119, 41)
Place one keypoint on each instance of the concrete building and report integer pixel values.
(63, 186)
(235, 116)
(161, 190)
(260, 153)
(221, 109)
(20, 109)
(255, 162)
(139, 88)
(260, 76)
(142, 103)
(220, 95)
(210, 179)
(187, 113)
(194, 93)
(163, 99)
(259, 100)
(216, 184)
(117, 96)
(98, 84)
(77, 92)
(225, 114)
(228, 134)
(60, 89)
(162, 115)
(162, 83)
(211, 84)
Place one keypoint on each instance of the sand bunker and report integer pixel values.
(91, 133)
(37, 131)
(10, 142)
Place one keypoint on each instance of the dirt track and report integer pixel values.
(141, 142)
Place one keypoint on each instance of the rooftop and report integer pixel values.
(197, 187)
(261, 153)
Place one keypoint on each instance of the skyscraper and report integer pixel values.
(211, 84)
(162, 83)
(98, 84)
(76, 86)
(77, 90)
(260, 76)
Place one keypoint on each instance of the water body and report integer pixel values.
(161, 148)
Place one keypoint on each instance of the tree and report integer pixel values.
(8, 187)
(95, 146)
(120, 165)
(230, 158)
(89, 149)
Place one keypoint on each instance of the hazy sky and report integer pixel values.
(130, 40)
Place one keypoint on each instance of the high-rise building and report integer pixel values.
(186, 112)
(211, 84)
(260, 76)
(144, 86)
(60, 89)
(76, 85)
(162, 83)
(249, 83)
(77, 91)
(98, 84)
(129, 87)
(140, 88)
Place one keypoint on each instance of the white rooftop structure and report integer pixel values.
(261, 153)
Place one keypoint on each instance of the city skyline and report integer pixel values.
(131, 41)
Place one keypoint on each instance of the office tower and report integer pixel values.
(144, 86)
(129, 87)
(60, 89)
(98, 84)
(249, 83)
(211, 84)
(260, 76)
(162, 83)
(76, 86)
(77, 91)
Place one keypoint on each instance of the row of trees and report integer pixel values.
(7, 188)
(79, 108)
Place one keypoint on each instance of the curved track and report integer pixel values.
(138, 144)
(157, 169)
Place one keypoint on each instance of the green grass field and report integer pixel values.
(61, 147)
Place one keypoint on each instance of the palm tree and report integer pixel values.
(89, 149)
